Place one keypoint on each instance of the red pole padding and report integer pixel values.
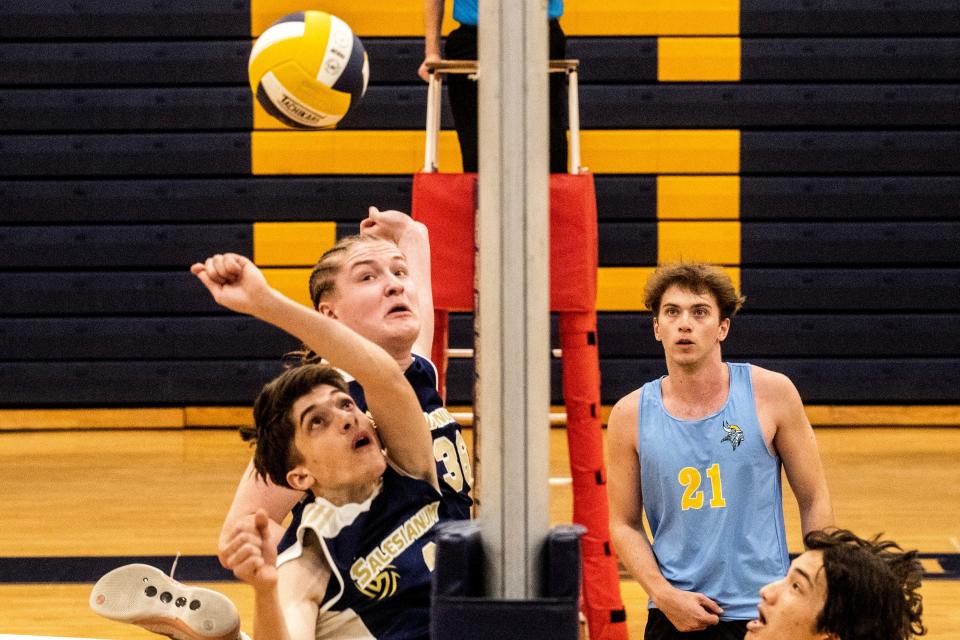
(602, 604)
(446, 203)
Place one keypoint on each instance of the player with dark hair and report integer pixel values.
(363, 556)
(699, 451)
(843, 588)
(378, 284)
(362, 561)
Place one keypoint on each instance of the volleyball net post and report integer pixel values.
(516, 206)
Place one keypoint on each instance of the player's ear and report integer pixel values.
(326, 309)
(656, 328)
(300, 478)
(724, 329)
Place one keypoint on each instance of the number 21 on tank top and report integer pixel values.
(691, 478)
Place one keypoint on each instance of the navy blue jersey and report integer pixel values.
(449, 449)
(381, 554)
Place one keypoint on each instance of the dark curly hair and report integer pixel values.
(872, 587)
(274, 427)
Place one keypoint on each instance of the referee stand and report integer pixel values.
(447, 204)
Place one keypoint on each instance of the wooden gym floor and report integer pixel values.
(89, 494)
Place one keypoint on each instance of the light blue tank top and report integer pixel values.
(712, 495)
(465, 11)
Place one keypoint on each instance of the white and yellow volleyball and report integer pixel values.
(308, 69)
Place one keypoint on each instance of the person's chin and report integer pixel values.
(404, 329)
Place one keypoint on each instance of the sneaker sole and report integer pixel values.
(121, 595)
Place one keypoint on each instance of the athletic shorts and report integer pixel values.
(659, 628)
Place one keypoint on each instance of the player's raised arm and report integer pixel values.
(236, 283)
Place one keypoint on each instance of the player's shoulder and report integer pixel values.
(628, 404)
(624, 414)
(772, 386)
(421, 367)
(769, 379)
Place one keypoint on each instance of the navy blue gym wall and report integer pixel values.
(125, 155)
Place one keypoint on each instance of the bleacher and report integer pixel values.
(812, 148)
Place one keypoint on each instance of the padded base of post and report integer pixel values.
(461, 612)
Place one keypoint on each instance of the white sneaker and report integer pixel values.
(142, 595)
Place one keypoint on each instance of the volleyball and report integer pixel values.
(308, 69)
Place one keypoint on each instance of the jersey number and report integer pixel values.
(692, 498)
(455, 460)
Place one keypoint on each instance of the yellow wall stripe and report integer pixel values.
(698, 197)
(230, 417)
(698, 59)
(399, 152)
(292, 283)
(652, 17)
(714, 242)
(661, 151)
(581, 17)
(291, 244)
(621, 288)
(370, 152)
(365, 17)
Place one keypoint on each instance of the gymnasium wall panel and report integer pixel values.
(807, 289)
(849, 17)
(812, 149)
(206, 18)
(394, 61)
(619, 197)
(768, 335)
(144, 201)
(853, 290)
(785, 198)
(845, 58)
(401, 107)
(147, 382)
(139, 154)
(750, 105)
(889, 197)
(141, 338)
(28, 293)
(105, 19)
(128, 109)
(103, 293)
(128, 246)
(865, 381)
(790, 244)
(165, 382)
(864, 244)
(121, 63)
(622, 335)
(851, 152)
